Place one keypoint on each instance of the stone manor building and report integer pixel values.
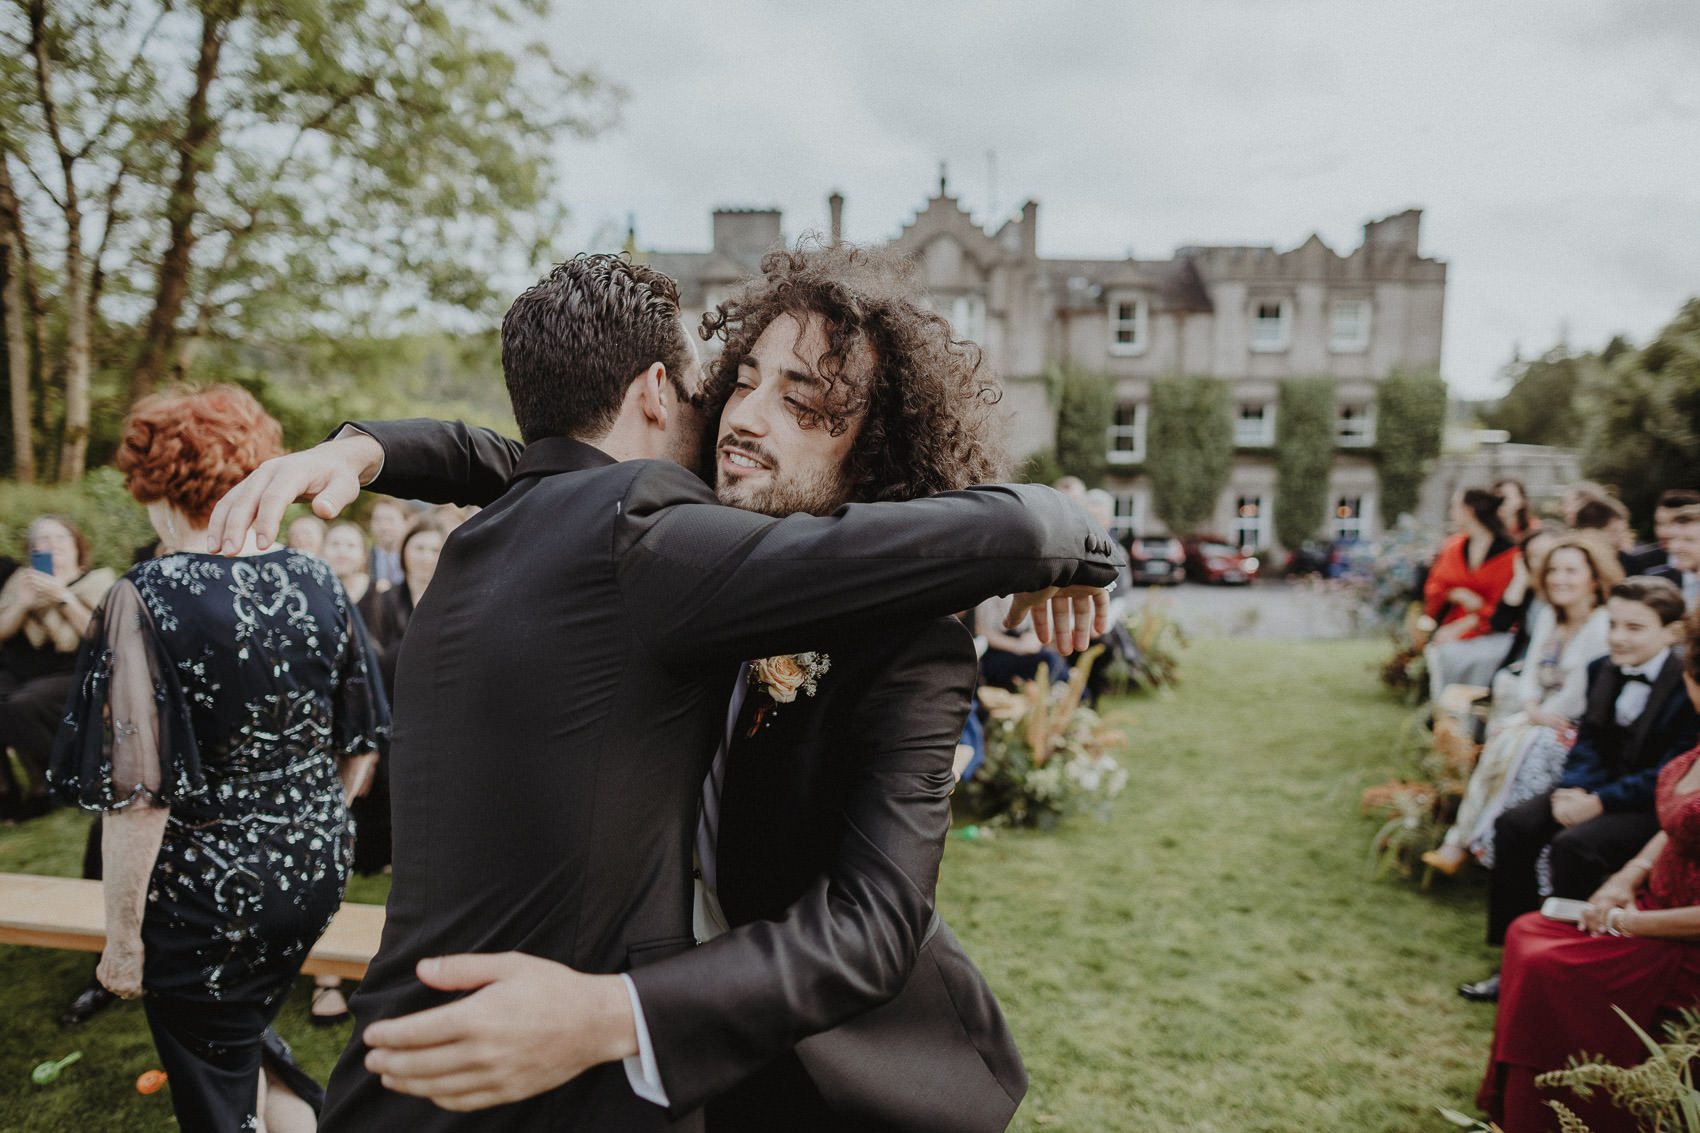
(1250, 314)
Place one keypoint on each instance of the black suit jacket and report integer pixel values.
(1622, 766)
(561, 686)
(832, 825)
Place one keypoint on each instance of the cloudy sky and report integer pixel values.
(1553, 144)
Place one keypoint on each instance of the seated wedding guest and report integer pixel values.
(1610, 519)
(1471, 571)
(391, 612)
(223, 711)
(1637, 948)
(1648, 557)
(1475, 660)
(1514, 512)
(388, 523)
(1637, 720)
(1683, 548)
(44, 607)
(1578, 494)
(1012, 655)
(1549, 694)
(306, 533)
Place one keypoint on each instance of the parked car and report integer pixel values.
(1156, 560)
(1210, 559)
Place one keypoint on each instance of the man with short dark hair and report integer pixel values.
(1682, 548)
(1648, 557)
(615, 586)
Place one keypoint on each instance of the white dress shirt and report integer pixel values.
(1632, 701)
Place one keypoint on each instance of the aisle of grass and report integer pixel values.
(1215, 958)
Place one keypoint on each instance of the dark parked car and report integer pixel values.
(1156, 560)
(1216, 560)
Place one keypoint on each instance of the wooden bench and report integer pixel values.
(69, 912)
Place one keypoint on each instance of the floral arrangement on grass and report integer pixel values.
(1416, 807)
(1147, 644)
(1047, 754)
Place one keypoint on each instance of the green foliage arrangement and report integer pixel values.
(1410, 410)
(1152, 647)
(1085, 404)
(1189, 448)
(178, 174)
(114, 524)
(1659, 1093)
(1047, 755)
(1040, 468)
(1643, 415)
(1304, 456)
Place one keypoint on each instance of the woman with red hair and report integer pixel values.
(225, 711)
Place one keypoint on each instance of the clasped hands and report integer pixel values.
(529, 1025)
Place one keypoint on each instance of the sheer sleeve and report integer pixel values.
(127, 733)
(362, 707)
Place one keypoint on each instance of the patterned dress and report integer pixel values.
(225, 689)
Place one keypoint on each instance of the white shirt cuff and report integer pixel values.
(642, 1070)
(357, 431)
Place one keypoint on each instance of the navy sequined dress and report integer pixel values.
(225, 689)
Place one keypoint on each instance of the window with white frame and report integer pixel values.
(1255, 426)
(1270, 324)
(1128, 325)
(1129, 518)
(1355, 426)
(968, 317)
(1349, 517)
(1125, 439)
(1251, 521)
(1348, 326)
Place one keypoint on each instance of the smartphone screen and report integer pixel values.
(42, 561)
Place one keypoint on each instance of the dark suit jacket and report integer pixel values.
(1623, 768)
(560, 690)
(832, 825)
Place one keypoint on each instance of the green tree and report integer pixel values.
(1189, 449)
(1410, 413)
(173, 173)
(1542, 405)
(1085, 404)
(1304, 457)
(1643, 414)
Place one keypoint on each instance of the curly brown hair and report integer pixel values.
(925, 401)
(190, 447)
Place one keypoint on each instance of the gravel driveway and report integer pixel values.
(1270, 608)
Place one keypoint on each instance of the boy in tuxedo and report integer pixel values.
(1638, 719)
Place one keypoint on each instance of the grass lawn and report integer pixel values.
(1215, 958)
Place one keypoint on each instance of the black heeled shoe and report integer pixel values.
(1482, 991)
(91, 1001)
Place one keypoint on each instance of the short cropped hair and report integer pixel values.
(1660, 595)
(1599, 512)
(1678, 498)
(928, 407)
(190, 447)
(574, 342)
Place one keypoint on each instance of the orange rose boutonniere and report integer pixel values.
(783, 677)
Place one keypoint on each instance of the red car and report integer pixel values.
(1215, 560)
(1156, 560)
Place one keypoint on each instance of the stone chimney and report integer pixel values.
(835, 203)
(747, 234)
(1030, 230)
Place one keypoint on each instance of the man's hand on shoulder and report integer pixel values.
(332, 473)
(1070, 616)
(531, 1025)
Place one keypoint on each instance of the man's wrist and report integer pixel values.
(615, 1028)
(363, 453)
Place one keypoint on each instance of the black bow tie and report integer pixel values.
(1642, 677)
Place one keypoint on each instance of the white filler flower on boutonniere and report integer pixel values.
(783, 677)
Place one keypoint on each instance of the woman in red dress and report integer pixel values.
(1472, 570)
(1637, 947)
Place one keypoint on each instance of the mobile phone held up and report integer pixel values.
(42, 561)
(1563, 909)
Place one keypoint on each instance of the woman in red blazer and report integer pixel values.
(1472, 570)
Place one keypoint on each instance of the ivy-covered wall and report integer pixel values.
(1189, 448)
(1085, 404)
(1304, 457)
(1410, 417)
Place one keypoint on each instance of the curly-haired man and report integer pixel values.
(828, 995)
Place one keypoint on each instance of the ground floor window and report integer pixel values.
(1250, 522)
(1348, 519)
(1128, 518)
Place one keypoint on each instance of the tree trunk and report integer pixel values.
(12, 267)
(158, 345)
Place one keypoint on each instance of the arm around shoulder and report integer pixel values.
(442, 461)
